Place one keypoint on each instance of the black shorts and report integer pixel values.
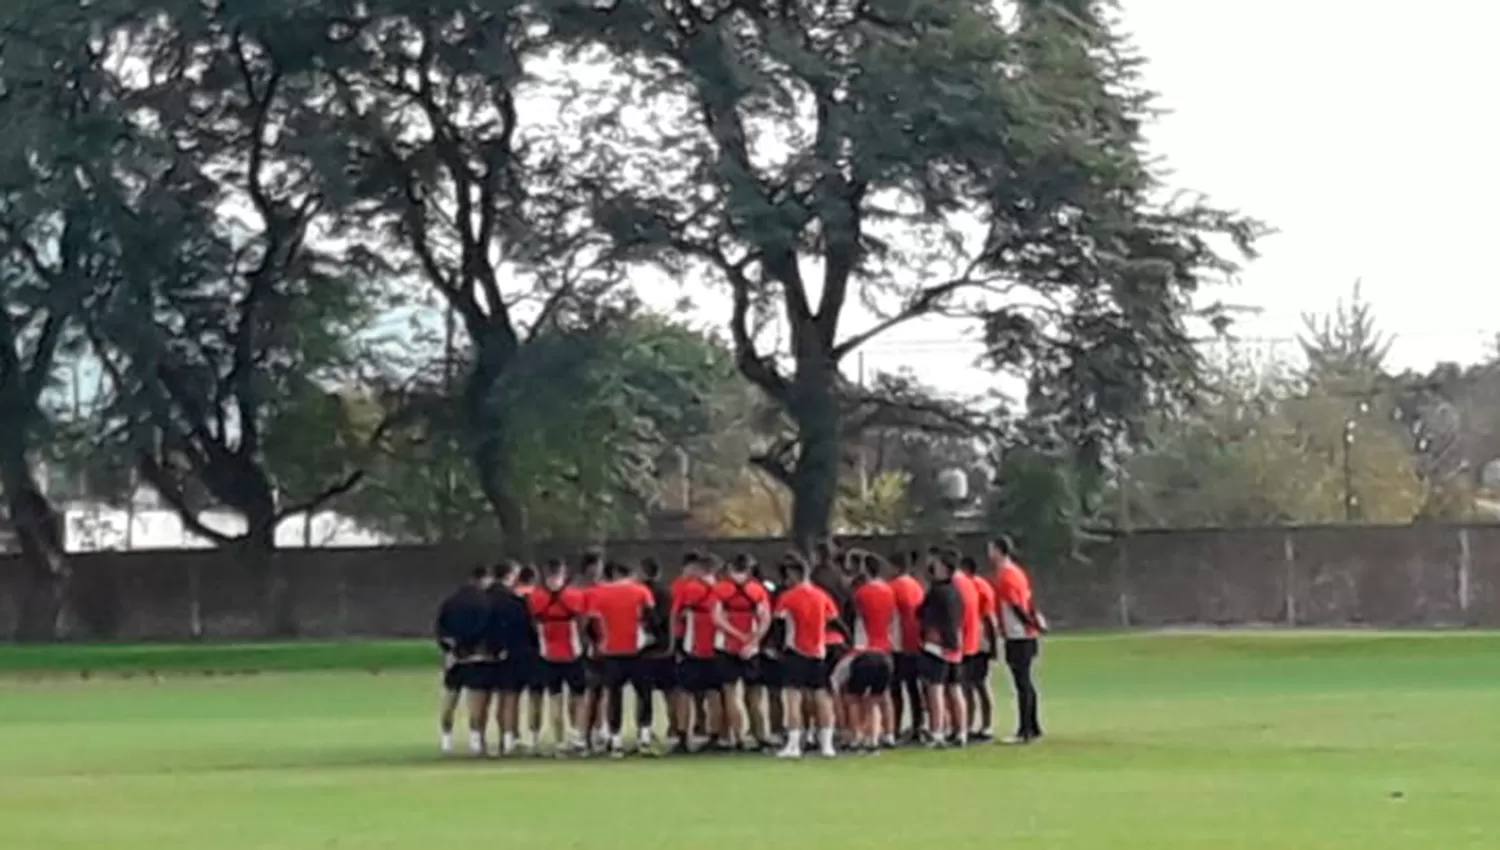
(908, 667)
(977, 669)
(1022, 652)
(734, 669)
(804, 674)
(506, 676)
(616, 671)
(467, 676)
(699, 675)
(657, 673)
(593, 672)
(835, 653)
(870, 675)
(772, 673)
(938, 671)
(553, 675)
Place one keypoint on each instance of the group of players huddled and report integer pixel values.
(850, 652)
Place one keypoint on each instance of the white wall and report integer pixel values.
(100, 528)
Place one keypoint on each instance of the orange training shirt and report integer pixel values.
(807, 609)
(620, 607)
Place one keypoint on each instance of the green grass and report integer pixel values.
(1291, 741)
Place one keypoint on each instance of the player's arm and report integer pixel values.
(1014, 601)
(991, 624)
(762, 621)
(443, 629)
(721, 621)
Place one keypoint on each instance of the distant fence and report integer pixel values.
(1409, 576)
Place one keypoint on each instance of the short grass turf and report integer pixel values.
(1297, 741)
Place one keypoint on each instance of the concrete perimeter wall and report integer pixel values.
(1409, 576)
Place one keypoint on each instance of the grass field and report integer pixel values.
(1297, 741)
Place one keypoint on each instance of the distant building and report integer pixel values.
(97, 527)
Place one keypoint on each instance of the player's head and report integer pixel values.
(968, 565)
(482, 576)
(824, 553)
(872, 565)
(793, 568)
(614, 571)
(650, 568)
(713, 565)
(693, 563)
(1001, 549)
(742, 566)
(901, 563)
(505, 573)
(556, 572)
(526, 575)
(940, 563)
(591, 565)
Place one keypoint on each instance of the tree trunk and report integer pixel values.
(38, 532)
(257, 552)
(489, 447)
(815, 480)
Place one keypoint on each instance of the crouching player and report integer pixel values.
(864, 678)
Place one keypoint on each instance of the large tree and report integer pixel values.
(55, 256)
(919, 158)
(471, 194)
(240, 291)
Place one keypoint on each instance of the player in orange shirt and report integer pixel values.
(876, 631)
(693, 605)
(806, 610)
(559, 611)
(977, 684)
(971, 631)
(620, 607)
(907, 693)
(742, 614)
(1022, 626)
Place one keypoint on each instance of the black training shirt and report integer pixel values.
(463, 621)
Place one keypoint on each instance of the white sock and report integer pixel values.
(507, 743)
(643, 736)
(476, 743)
(794, 739)
(447, 742)
(528, 739)
(825, 739)
(616, 742)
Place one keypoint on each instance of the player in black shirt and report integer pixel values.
(462, 628)
(658, 667)
(941, 618)
(513, 645)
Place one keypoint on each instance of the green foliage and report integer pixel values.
(593, 415)
(1035, 501)
(896, 127)
(1265, 447)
